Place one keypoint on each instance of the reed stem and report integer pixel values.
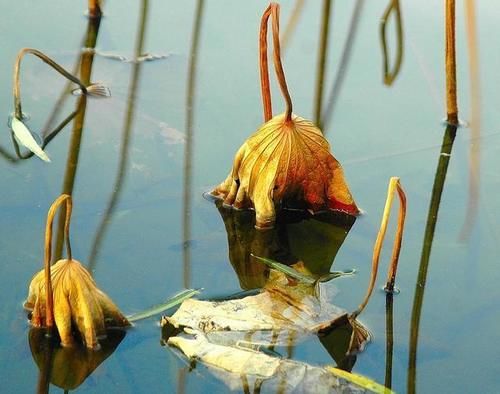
(451, 67)
(95, 9)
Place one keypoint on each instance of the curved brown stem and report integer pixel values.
(264, 68)
(273, 9)
(17, 89)
(63, 198)
(280, 74)
(393, 185)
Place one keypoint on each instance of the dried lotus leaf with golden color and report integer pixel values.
(66, 294)
(287, 161)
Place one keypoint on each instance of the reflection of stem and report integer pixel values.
(475, 121)
(291, 24)
(18, 113)
(342, 68)
(188, 151)
(451, 67)
(390, 75)
(389, 342)
(45, 369)
(437, 190)
(124, 150)
(76, 136)
(322, 55)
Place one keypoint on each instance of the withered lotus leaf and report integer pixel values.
(78, 304)
(66, 294)
(287, 161)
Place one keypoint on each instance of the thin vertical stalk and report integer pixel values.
(389, 338)
(280, 74)
(189, 148)
(95, 9)
(264, 67)
(451, 67)
(64, 198)
(322, 56)
(432, 217)
(342, 68)
(274, 11)
(76, 136)
(291, 24)
(475, 121)
(126, 137)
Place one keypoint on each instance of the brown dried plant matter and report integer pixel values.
(287, 161)
(67, 295)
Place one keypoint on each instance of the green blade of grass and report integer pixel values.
(293, 273)
(174, 301)
(361, 381)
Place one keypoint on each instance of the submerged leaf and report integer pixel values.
(25, 138)
(174, 301)
(77, 302)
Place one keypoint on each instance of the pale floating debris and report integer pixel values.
(25, 138)
(265, 372)
(97, 90)
(147, 57)
(295, 311)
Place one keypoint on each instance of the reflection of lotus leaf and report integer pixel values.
(68, 367)
(237, 367)
(286, 162)
(297, 236)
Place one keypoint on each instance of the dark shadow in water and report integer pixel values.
(297, 236)
(437, 191)
(343, 64)
(126, 137)
(68, 367)
(475, 123)
(188, 149)
(86, 61)
(390, 74)
(322, 56)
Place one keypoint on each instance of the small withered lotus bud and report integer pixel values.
(66, 294)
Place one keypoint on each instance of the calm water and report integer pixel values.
(137, 140)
